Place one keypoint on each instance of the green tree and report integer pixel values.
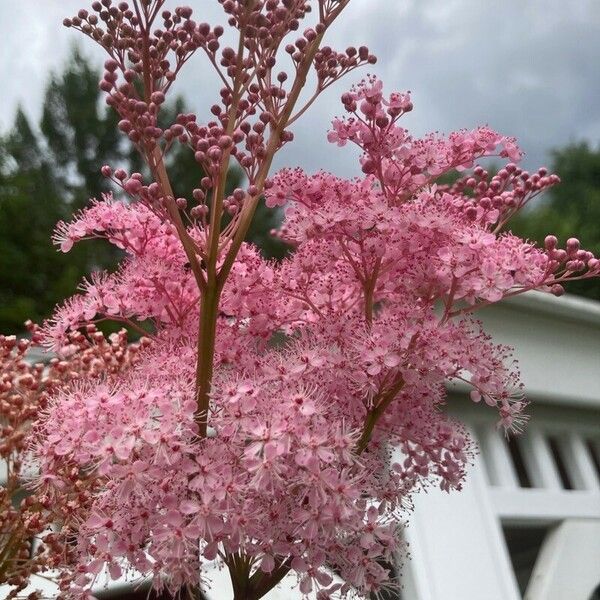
(46, 174)
(573, 207)
(32, 274)
(78, 133)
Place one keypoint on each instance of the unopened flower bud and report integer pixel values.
(573, 245)
(198, 212)
(215, 153)
(133, 186)
(154, 189)
(368, 166)
(559, 255)
(225, 142)
(471, 213)
(158, 98)
(111, 65)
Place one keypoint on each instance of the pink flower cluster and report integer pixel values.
(403, 164)
(150, 283)
(371, 305)
(280, 415)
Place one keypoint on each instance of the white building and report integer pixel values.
(527, 524)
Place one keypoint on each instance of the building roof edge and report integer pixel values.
(566, 308)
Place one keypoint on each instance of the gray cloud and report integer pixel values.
(528, 68)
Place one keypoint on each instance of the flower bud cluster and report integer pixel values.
(494, 200)
(141, 68)
(331, 65)
(30, 541)
(255, 96)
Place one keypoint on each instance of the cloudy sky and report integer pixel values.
(529, 68)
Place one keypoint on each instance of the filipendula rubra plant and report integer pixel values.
(219, 444)
(33, 526)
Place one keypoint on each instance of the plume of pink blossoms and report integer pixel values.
(281, 414)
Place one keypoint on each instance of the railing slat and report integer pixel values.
(501, 471)
(538, 458)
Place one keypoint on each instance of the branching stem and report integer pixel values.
(376, 413)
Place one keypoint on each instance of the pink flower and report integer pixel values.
(255, 424)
